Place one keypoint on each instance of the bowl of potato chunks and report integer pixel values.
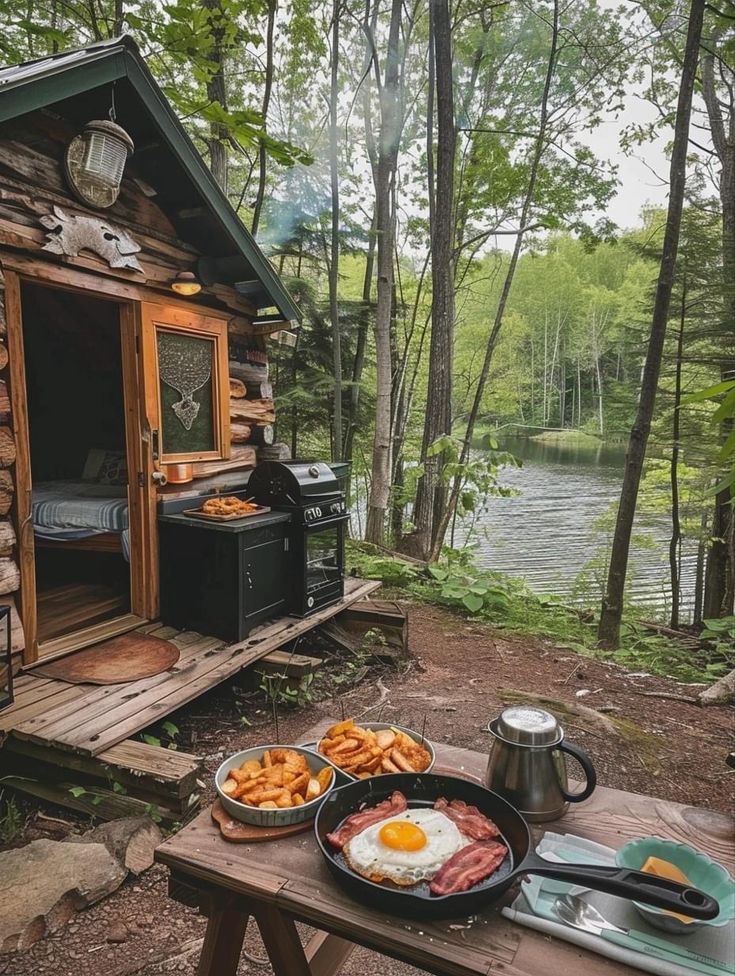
(373, 748)
(274, 786)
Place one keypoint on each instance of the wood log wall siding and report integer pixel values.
(32, 183)
(9, 571)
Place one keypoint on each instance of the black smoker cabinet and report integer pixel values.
(223, 578)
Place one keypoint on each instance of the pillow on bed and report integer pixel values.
(106, 467)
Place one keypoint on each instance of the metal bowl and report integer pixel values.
(376, 727)
(701, 871)
(270, 818)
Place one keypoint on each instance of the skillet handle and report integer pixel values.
(625, 883)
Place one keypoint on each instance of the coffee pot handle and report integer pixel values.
(589, 770)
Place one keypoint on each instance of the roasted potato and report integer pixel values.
(364, 752)
(281, 779)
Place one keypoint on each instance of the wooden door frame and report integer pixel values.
(141, 488)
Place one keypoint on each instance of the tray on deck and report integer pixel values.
(213, 517)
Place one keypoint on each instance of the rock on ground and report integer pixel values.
(45, 882)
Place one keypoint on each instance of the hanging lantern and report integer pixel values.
(95, 161)
(107, 147)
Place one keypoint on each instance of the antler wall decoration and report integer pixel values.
(185, 369)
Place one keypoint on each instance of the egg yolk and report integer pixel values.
(402, 835)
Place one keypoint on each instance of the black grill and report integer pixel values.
(311, 493)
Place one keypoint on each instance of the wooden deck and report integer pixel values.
(89, 720)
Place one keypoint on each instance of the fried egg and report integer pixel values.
(405, 849)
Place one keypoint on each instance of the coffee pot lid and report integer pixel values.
(527, 725)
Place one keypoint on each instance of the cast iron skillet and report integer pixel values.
(421, 790)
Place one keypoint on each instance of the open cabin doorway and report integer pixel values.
(79, 451)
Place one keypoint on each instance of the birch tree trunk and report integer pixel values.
(267, 89)
(337, 445)
(217, 92)
(608, 632)
(390, 128)
(675, 541)
(431, 492)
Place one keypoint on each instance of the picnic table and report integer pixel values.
(285, 881)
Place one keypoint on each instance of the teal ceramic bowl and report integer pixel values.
(702, 872)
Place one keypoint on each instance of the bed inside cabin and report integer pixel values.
(76, 423)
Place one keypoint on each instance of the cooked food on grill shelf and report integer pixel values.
(229, 505)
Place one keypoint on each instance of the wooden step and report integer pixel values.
(97, 801)
(137, 766)
(292, 665)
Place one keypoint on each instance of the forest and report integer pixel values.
(426, 177)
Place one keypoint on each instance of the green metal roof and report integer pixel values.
(77, 84)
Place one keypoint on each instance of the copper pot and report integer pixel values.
(179, 474)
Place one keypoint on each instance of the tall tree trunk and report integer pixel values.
(267, 89)
(675, 541)
(579, 396)
(612, 605)
(217, 92)
(538, 151)
(600, 412)
(390, 127)
(334, 244)
(360, 345)
(719, 590)
(431, 491)
(699, 573)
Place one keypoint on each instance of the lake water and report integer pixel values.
(547, 532)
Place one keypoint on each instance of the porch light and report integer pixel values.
(6, 658)
(106, 149)
(186, 283)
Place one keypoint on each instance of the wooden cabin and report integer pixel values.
(99, 351)
(134, 313)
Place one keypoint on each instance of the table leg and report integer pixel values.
(282, 942)
(227, 922)
(328, 953)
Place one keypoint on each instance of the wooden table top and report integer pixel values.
(291, 875)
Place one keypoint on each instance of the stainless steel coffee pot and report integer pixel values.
(527, 765)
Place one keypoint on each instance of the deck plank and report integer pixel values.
(38, 705)
(103, 716)
(90, 737)
(102, 698)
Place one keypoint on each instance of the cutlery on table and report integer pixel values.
(579, 914)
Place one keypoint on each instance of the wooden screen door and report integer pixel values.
(186, 388)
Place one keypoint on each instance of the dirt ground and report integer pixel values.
(458, 676)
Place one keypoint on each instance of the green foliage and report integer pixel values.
(151, 809)
(280, 689)
(722, 393)
(508, 604)
(166, 737)
(11, 818)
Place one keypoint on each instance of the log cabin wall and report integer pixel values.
(33, 186)
(9, 571)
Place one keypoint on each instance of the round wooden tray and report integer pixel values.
(242, 833)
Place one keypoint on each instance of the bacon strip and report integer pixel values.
(467, 867)
(468, 819)
(357, 822)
